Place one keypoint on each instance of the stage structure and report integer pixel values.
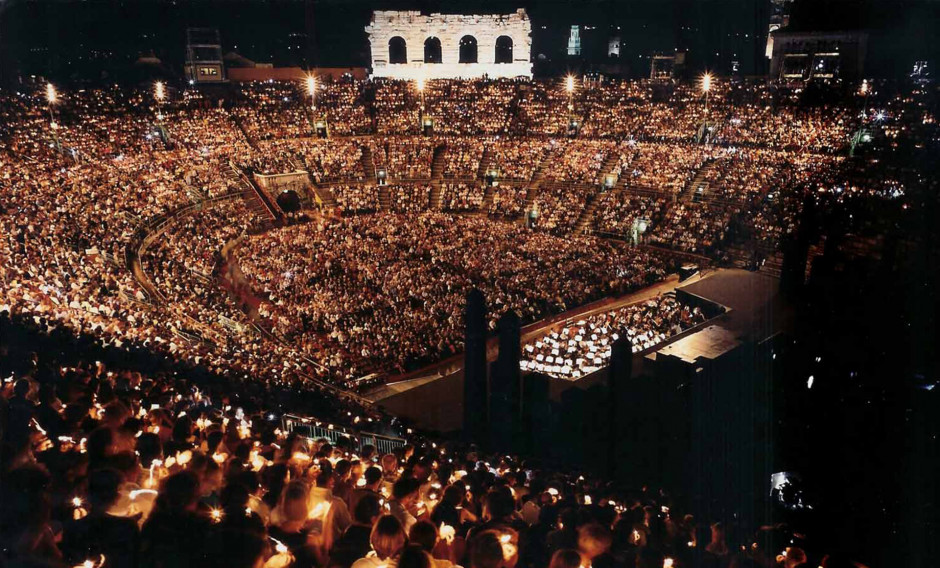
(807, 56)
(412, 45)
(204, 62)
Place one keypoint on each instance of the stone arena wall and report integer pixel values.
(415, 27)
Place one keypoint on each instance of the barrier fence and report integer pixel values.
(314, 429)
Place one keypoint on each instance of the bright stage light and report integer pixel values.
(569, 83)
(51, 95)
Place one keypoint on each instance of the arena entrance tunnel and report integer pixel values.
(288, 201)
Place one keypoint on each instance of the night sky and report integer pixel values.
(81, 41)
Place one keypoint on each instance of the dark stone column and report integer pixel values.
(505, 409)
(619, 373)
(474, 369)
(537, 421)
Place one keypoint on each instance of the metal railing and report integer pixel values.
(314, 429)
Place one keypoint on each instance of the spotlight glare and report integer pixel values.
(706, 82)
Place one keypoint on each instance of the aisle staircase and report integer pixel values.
(586, 219)
(485, 161)
(368, 166)
(532, 188)
(437, 163)
(311, 120)
(608, 168)
(437, 174)
(585, 223)
(241, 128)
(773, 264)
(487, 199)
(261, 204)
(698, 182)
(385, 198)
(323, 193)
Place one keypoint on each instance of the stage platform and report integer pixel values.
(756, 310)
(754, 313)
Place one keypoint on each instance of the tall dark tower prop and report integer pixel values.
(796, 251)
(505, 387)
(474, 368)
(620, 371)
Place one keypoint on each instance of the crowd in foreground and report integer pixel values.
(112, 458)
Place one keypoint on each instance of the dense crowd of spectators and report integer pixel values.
(356, 198)
(558, 205)
(469, 107)
(462, 157)
(459, 196)
(619, 213)
(90, 172)
(397, 107)
(409, 198)
(391, 288)
(346, 109)
(409, 158)
(333, 159)
(508, 201)
(115, 210)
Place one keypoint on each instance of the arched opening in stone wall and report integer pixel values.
(504, 49)
(468, 49)
(397, 50)
(432, 50)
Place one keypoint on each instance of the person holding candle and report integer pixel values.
(354, 543)
(404, 504)
(174, 533)
(101, 531)
(424, 533)
(388, 539)
(290, 524)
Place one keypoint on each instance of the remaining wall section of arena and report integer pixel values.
(416, 28)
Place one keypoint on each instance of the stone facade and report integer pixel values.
(414, 28)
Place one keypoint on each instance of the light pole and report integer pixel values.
(420, 87)
(312, 90)
(51, 98)
(159, 93)
(569, 87)
(706, 87)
